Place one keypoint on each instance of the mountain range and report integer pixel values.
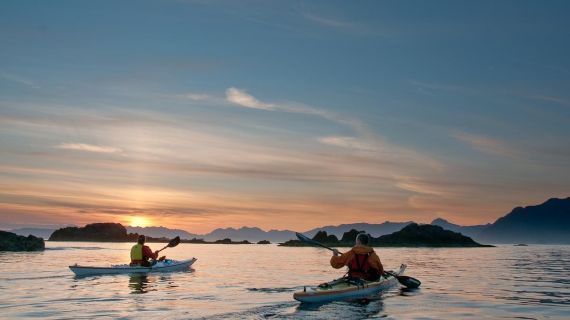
(162, 232)
(37, 232)
(548, 222)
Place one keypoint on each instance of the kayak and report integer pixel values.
(343, 289)
(167, 265)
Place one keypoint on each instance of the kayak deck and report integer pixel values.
(341, 289)
(162, 266)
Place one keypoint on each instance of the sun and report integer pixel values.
(138, 221)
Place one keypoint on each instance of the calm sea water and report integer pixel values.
(257, 282)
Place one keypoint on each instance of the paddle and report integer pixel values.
(171, 244)
(404, 280)
(306, 239)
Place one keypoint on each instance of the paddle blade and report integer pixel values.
(174, 242)
(409, 282)
(303, 238)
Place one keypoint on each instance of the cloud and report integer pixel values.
(430, 88)
(423, 187)
(18, 79)
(195, 96)
(244, 99)
(88, 148)
(247, 100)
(346, 142)
(328, 22)
(485, 144)
(557, 100)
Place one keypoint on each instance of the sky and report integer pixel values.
(280, 114)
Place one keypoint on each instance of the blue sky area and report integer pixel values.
(281, 114)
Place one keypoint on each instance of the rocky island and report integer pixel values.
(412, 235)
(12, 242)
(100, 232)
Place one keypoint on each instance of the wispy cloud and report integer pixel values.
(422, 187)
(195, 96)
(326, 21)
(484, 144)
(18, 79)
(346, 142)
(88, 148)
(430, 88)
(244, 99)
(557, 100)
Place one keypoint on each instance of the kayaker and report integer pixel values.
(361, 260)
(141, 254)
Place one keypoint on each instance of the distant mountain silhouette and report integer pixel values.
(257, 234)
(470, 231)
(37, 232)
(162, 232)
(548, 222)
(250, 234)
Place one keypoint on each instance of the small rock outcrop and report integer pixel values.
(230, 241)
(350, 236)
(12, 242)
(323, 237)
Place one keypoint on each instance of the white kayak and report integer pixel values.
(167, 265)
(342, 289)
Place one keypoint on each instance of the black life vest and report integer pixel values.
(359, 268)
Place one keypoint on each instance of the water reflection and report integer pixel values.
(409, 292)
(355, 309)
(140, 283)
(143, 283)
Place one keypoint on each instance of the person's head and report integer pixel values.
(141, 239)
(363, 239)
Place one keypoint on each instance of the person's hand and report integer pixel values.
(336, 252)
(156, 253)
(162, 258)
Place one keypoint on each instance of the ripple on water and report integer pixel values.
(274, 290)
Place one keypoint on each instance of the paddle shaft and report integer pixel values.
(322, 245)
(304, 238)
(171, 244)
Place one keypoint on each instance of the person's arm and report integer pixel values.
(147, 253)
(339, 261)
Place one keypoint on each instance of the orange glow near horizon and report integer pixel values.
(139, 221)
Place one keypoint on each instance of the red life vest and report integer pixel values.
(359, 267)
